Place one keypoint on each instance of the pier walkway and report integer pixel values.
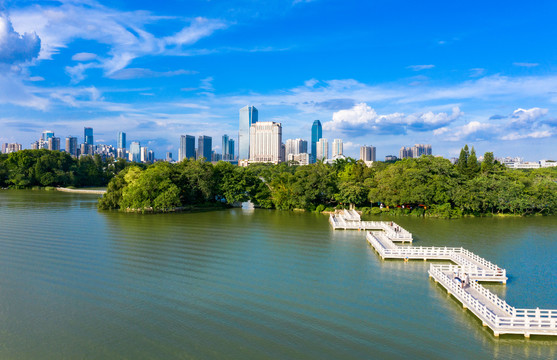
(350, 220)
(494, 312)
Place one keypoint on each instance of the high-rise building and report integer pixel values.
(8, 148)
(151, 156)
(88, 136)
(337, 148)
(169, 156)
(265, 142)
(187, 147)
(231, 149)
(121, 153)
(421, 149)
(405, 153)
(54, 143)
(316, 135)
(248, 117)
(71, 146)
(390, 158)
(121, 140)
(204, 147)
(415, 151)
(367, 153)
(296, 146)
(322, 150)
(225, 147)
(135, 151)
(47, 134)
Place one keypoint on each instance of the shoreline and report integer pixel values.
(81, 191)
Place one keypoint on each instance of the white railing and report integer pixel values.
(518, 320)
(464, 296)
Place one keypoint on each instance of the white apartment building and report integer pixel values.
(265, 142)
(337, 148)
(322, 149)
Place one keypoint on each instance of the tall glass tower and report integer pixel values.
(225, 154)
(204, 147)
(248, 116)
(88, 136)
(316, 135)
(121, 140)
(187, 147)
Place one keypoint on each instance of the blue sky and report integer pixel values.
(385, 73)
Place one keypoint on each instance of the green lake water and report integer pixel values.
(79, 283)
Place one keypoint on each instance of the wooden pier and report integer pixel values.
(494, 312)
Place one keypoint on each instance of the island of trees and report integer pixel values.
(429, 186)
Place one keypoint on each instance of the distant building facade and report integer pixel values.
(135, 151)
(204, 147)
(322, 150)
(121, 140)
(187, 147)
(54, 143)
(337, 148)
(88, 136)
(367, 153)
(316, 135)
(415, 151)
(248, 116)
(301, 158)
(71, 145)
(8, 148)
(265, 142)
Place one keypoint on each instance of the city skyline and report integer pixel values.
(161, 69)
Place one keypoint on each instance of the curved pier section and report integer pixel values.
(461, 281)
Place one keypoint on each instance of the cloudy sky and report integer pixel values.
(382, 73)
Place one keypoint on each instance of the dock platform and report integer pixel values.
(494, 312)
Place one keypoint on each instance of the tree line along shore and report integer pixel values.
(425, 186)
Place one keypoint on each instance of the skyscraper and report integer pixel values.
(47, 134)
(367, 153)
(88, 136)
(231, 149)
(187, 147)
(316, 134)
(54, 143)
(121, 140)
(71, 146)
(204, 147)
(265, 142)
(337, 148)
(296, 146)
(322, 149)
(248, 117)
(225, 147)
(135, 151)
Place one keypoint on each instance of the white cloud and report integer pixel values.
(473, 130)
(362, 118)
(532, 135)
(13, 91)
(420, 67)
(123, 31)
(521, 117)
(84, 56)
(14, 47)
(525, 64)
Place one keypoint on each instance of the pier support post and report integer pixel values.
(527, 335)
(484, 324)
(496, 334)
